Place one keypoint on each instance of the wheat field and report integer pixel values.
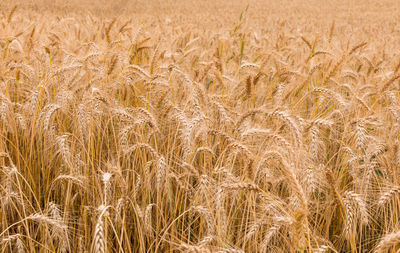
(200, 126)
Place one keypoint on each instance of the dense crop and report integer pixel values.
(274, 128)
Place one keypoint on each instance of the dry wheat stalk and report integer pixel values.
(388, 241)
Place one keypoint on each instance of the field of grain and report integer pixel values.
(200, 126)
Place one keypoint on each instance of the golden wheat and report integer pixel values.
(199, 126)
